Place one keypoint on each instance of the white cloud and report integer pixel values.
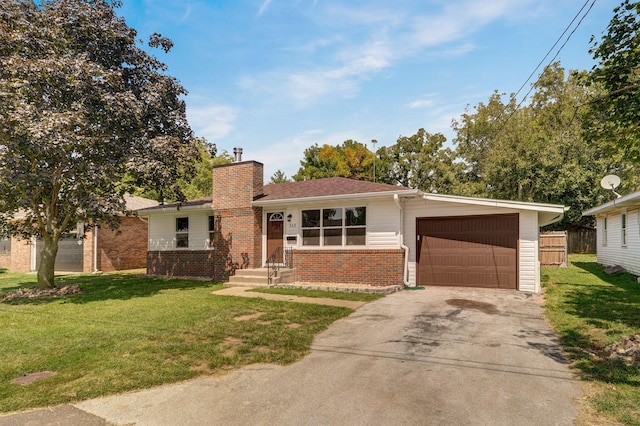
(211, 121)
(420, 103)
(264, 7)
(369, 40)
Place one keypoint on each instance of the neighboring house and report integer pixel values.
(341, 230)
(618, 232)
(91, 250)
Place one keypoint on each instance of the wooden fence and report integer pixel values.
(582, 240)
(553, 248)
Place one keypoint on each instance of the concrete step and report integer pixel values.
(260, 277)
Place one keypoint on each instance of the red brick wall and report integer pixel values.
(183, 263)
(125, 248)
(236, 185)
(238, 226)
(20, 255)
(370, 267)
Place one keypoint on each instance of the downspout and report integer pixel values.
(405, 272)
(95, 248)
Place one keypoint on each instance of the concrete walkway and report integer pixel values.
(440, 356)
(245, 292)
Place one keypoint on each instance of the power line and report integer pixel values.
(504, 123)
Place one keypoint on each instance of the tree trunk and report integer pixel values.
(46, 271)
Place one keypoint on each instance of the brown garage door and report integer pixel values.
(468, 251)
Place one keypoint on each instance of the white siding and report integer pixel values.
(528, 253)
(162, 230)
(613, 252)
(528, 262)
(383, 224)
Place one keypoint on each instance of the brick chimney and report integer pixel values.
(237, 184)
(238, 225)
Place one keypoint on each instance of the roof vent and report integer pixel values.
(237, 155)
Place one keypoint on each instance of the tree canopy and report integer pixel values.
(419, 161)
(616, 83)
(82, 106)
(350, 159)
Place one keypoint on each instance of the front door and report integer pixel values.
(275, 235)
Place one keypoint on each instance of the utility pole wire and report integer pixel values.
(504, 123)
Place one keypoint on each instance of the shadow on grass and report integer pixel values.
(111, 287)
(600, 305)
(595, 364)
(609, 306)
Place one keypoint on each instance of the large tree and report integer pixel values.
(82, 105)
(537, 152)
(616, 83)
(351, 159)
(419, 161)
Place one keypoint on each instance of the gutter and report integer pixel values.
(405, 272)
(95, 248)
(314, 199)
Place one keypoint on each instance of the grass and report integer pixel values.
(126, 332)
(361, 297)
(590, 310)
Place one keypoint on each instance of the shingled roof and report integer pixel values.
(324, 188)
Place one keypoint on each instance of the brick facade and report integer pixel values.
(184, 263)
(369, 267)
(124, 248)
(238, 226)
(20, 255)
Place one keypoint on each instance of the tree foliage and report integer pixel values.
(351, 159)
(537, 152)
(616, 83)
(279, 177)
(418, 161)
(82, 105)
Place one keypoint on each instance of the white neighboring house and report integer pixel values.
(618, 232)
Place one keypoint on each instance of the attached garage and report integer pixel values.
(468, 251)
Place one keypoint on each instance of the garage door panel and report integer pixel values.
(470, 251)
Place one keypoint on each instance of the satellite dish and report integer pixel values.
(610, 182)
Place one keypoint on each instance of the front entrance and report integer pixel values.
(275, 235)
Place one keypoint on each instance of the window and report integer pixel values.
(604, 231)
(182, 232)
(334, 227)
(5, 245)
(623, 232)
(211, 231)
(311, 227)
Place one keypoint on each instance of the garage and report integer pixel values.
(70, 254)
(468, 251)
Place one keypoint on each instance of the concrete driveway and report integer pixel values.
(440, 356)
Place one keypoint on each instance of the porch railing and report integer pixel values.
(277, 259)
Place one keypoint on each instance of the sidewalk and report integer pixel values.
(246, 292)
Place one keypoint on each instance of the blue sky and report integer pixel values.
(274, 76)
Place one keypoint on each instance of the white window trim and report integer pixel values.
(624, 228)
(182, 233)
(343, 228)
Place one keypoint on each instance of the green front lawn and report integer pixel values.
(126, 332)
(591, 310)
